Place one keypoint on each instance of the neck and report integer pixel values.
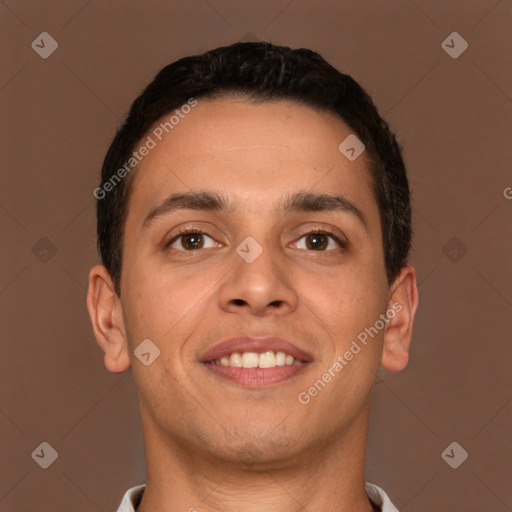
(328, 477)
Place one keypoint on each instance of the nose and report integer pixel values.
(259, 287)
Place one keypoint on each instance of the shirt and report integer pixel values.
(133, 497)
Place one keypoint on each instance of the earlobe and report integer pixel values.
(402, 307)
(104, 308)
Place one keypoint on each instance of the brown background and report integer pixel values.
(453, 117)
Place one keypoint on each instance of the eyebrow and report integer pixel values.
(210, 201)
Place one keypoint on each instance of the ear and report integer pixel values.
(403, 303)
(105, 311)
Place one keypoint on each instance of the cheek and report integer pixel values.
(352, 299)
(163, 303)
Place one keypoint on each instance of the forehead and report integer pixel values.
(229, 127)
(255, 151)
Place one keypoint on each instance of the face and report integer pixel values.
(269, 256)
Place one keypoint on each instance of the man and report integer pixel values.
(254, 226)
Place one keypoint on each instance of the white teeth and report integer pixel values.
(267, 359)
(250, 360)
(280, 359)
(236, 359)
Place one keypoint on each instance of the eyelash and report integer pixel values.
(324, 231)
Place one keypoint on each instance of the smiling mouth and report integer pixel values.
(256, 369)
(267, 359)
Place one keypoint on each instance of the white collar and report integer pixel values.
(377, 495)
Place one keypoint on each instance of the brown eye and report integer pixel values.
(191, 241)
(319, 241)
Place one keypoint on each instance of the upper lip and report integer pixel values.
(246, 344)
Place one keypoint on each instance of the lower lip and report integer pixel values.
(257, 377)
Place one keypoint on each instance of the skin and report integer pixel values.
(211, 444)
